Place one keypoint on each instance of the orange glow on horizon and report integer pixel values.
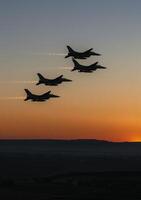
(87, 109)
(135, 138)
(60, 120)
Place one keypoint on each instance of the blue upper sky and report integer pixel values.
(33, 25)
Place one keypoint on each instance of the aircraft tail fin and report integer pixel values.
(76, 65)
(70, 49)
(70, 52)
(29, 94)
(41, 78)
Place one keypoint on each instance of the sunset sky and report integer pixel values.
(103, 105)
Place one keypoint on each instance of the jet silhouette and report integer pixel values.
(52, 82)
(80, 55)
(88, 69)
(43, 97)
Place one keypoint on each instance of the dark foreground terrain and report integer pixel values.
(69, 170)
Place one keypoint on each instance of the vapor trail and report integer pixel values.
(56, 54)
(18, 82)
(12, 98)
(48, 54)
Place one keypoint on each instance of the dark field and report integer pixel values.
(69, 170)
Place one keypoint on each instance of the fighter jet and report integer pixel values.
(81, 55)
(42, 97)
(52, 82)
(83, 68)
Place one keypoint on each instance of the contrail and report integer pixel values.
(18, 82)
(56, 54)
(38, 54)
(24, 82)
(49, 54)
(66, 67)
(12, 98)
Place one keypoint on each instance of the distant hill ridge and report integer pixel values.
(64, 140)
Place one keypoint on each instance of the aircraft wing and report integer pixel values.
(59, 77)
(94, 64)
(89, 50)
(45, 94)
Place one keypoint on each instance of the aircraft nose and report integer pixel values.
(54, 96)
(67, 80)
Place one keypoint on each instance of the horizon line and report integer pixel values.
(67, 140)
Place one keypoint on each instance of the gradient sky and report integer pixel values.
(103, 105)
